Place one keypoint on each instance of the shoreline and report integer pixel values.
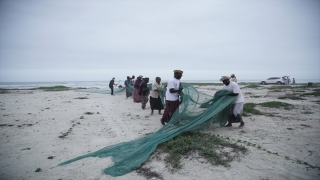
(72, 87)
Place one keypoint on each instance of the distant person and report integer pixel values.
(136, 87)
(144, 92)
(111, 84)
(172, 96)
(133, 78)
(233, 78)
(293, 81)
(155, 100)
(128, 83)
(237, 106)
(286, 80)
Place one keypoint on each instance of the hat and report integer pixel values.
(178, 71)
(140, 76)
(146, 78)
(224, 78)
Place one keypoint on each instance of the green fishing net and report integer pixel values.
(197, 111)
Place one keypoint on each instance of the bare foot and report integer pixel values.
(241, 124)
(228, 125)
(162, 122)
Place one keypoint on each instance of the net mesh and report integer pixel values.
(197, 111)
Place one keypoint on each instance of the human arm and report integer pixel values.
(172, 90)
(174, 87)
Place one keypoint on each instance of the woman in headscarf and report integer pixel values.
(136, 97)
(128, 83)
(233, 78)
(144, 92)
(155, 100)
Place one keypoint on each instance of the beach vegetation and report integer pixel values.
(52, 88)
(275, 104)
(148, 174)
(210, 147)
(252, 85)
(291, 97)
(307, 112)
(88, 113)
(38, 170)
(248, 108)
(299, 91)
(316, 93)
(287, 157)
(255, 96)
(81, 98)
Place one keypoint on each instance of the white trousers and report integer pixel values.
(236, 108)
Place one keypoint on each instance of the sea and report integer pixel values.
(105, 84)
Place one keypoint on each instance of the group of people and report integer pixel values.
(141, 92)
(287, 80)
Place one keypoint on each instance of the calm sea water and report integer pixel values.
(105, 84)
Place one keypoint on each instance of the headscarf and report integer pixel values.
(138, 82)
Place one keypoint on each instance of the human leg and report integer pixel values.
(171, 107)
(231, 116)
(111, 90)
(237, 111)
(144, 100)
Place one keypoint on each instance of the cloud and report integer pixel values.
(82, 40)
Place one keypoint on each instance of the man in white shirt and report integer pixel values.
(237, 106)
(172, 96)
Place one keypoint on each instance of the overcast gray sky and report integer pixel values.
(91, 40)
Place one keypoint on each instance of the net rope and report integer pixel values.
(197, 111)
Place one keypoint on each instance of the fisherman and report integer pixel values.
(111, 84)
(233, 78)
(144, 92)
(172, 96)
(236, 108)
(155, 100)
(128, 83)
(136, 87)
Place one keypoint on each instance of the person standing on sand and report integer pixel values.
(133, 79)
(128, 83)
(111, 84)
(236, 108)
(144, 92)
(233, 78)
(172, 96)
(155, 100)
(136, 87)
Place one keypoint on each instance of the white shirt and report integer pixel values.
(173, 83)
(234, 88)
(234, 79)
(153, 93)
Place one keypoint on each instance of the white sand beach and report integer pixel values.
(41, 129)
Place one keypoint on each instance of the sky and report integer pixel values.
(95, 40)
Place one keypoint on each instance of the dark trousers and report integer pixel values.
(111, 90)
